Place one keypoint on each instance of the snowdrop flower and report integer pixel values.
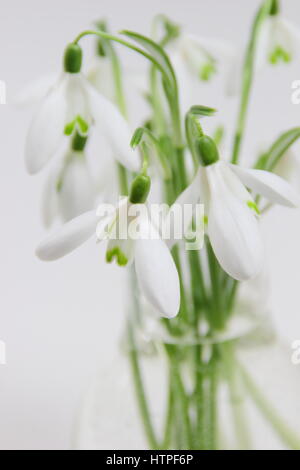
(230, 211)
(201, 58)
(279, 39)
(35, 90)
(70, 189)
(100, 76)
(73, 104)
(156, 271)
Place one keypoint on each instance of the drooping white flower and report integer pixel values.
(200, 58)
(101, 77)
(85, 174)
(279, 41)
(73, 104)
(203, 56)
(69, 190)
(134, 82)
(231, 213)
(132, 237)
(36, 90)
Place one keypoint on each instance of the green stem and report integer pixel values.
(180, 396)
(169, 416)
(199, 294)
(210, 403)
(156, 101)
(199, 398)
(237, 393)
(140, 391)
(247, 77)
(216, 317)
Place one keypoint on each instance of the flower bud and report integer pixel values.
(73, 58)
(274, 10)
(208, 150)
(79, 142)
(140, 189)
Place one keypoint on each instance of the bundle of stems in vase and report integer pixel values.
(192, 255)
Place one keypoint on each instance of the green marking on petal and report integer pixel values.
(279, 54)
(253, 207)
(205, 219)
(207, 71)
(59, 184)
(117, 253)
(82, 124)
(69, 128)
(79, 123)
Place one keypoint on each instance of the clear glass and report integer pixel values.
(236, 390)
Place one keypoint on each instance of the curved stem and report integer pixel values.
(247, 80)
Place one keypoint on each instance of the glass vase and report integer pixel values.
(237, 389)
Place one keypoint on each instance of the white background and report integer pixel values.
(61, 320)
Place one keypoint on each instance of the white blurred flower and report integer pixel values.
(279, 41)
(69, 190)
(202, 58)
(100, 76)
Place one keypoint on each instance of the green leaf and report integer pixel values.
(143, 135)
(137, 137)
(270, 159)
(199, 110)
(248, 75)
(157, 53)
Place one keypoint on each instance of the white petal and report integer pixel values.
(287, 35)
(111, 218)
(47, 129)
(217, 48)
(112, 124)
(269, 185)
(234, 183)
(233, 230)
(49, 207)
(36, 90)
(68, 238)
(102, 166)
(100, 76)
(76, 194)
(263, 46)
(77, 99)
(157, 274)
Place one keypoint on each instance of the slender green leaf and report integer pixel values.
(157, 53)
(270, 159)
(200, 110)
